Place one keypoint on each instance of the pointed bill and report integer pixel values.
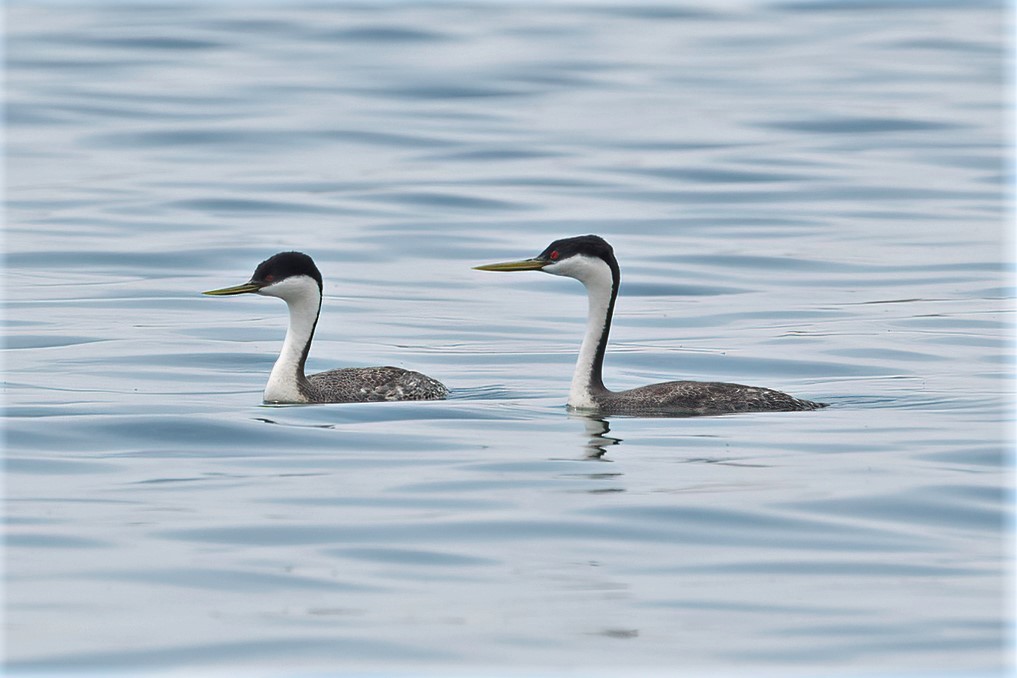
(236, 289)
(522, 265)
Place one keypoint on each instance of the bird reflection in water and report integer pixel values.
(598, 442)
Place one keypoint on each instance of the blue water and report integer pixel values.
(813, 197)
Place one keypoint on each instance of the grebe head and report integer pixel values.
(287, 275)
(587, 258)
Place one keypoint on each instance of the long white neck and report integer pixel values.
(597, 277)
(287, 383)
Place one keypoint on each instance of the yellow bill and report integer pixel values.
(522, 265)
(236, 289)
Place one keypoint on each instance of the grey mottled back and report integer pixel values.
(692, 398)
(373, 384)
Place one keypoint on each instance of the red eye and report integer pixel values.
(269, 278)
(554, 255)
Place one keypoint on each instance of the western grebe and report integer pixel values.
(590, 260)
(293, 277)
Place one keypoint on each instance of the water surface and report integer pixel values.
(813, 197)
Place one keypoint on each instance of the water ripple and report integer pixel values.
(804, 196)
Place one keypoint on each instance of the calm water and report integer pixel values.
(805, 196)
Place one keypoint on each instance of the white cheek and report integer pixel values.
(573, 267)
(557, 268)
(585, 269)
(293, 287)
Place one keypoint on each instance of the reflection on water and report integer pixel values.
(599, 441)
(803, 195)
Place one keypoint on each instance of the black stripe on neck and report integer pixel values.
(303, 385)
(597, 369)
